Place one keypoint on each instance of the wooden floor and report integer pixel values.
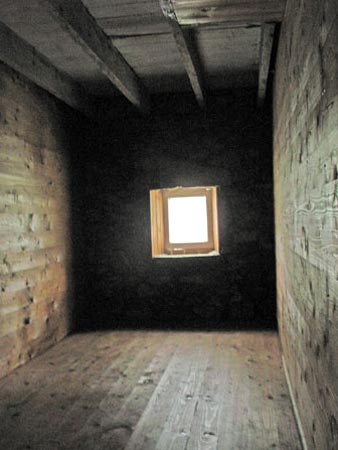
(151, 390)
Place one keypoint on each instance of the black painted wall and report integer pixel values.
(118, 284)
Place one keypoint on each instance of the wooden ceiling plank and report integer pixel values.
(267, 35)
(134, 25)
(236, 11)
(187, 51)
(215, 3)
(123, 9)
(82, 27)
(25, 59)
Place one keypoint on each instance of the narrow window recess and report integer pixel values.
(184, 222)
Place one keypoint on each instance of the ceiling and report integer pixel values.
(167, 45)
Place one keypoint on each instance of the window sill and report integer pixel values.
(191, 255)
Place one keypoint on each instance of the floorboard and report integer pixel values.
(151, 391)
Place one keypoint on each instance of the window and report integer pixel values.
(184, 221)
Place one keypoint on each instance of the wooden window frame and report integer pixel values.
(161, 247)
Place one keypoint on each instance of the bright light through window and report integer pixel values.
(188, 220)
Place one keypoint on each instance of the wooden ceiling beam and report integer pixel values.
(22, 57)
(187, 51)
(267, 35)
(75, 19)
(194, 12)
(190, 61)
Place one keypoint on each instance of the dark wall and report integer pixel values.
(118, 283)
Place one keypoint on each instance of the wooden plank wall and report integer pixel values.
(306, 202)
(35, 285)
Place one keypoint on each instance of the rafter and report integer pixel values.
(22, 57)
(187, 51)
(82, 27)
(267, 34)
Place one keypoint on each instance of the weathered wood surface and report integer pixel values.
(149, 48)
(33, 22)
(22, 57)
(155, 59)
(226, 57)
(121, 18)
(151, 390)
(192, 12)
(82, 27)
(34, 221)
(140, 31)
(190, 60)
(267, 35)
(229, 57)
(305, 164)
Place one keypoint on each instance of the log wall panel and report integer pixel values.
(306, 212)
(35, 253)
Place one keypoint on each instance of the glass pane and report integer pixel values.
(188, 221)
